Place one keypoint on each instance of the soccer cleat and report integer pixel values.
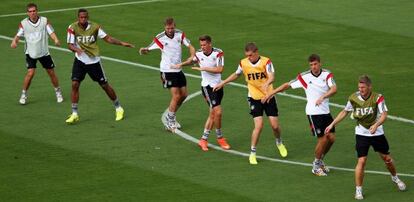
(119, 113)
(177, 125)
(23, 99)
(223, 143)
(319, 172)
(170, 124)
(358, 195)
(401, 185)
(59, 97)
(252, 159)
(324, 167)
(73, 118)
(282, 150)
(203, 144)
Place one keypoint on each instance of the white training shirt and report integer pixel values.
(361, 130)
(315, 86)
(85, 58)
(36, 36)
(170, 49)
(214, 59)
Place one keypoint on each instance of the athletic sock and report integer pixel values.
(252, 150)
(24, 92)
(218, 133)
(395, 178)
(278, 141)
(171, 115)
(316, 163)
(58, 90)
(206, 133)
(74, 108)
(117, 104)
(358, 189)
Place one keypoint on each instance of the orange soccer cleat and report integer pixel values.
(223, 143)
(203, 144)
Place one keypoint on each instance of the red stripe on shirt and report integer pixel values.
(304, 84)
(158, 42)
(220, 54)
(380, 99)
(330, 75)
(70, 31)
(268, 62)
(182, 37)
(20, 25)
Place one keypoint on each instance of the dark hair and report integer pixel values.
(31, 5)
(205, 38)
(169, 21)
(314, 57)
(82, 10)
(365, 79)
(251, 46)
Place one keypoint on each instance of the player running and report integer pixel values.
(259, 75)
(169, 42)
(369, 110)
(82, 39)
(211, 65)
(35, 29)
(319, 85)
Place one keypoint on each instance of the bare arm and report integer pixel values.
(75, 49)
(231, 78)
(379, 122)
(338, 119)
(14, 42)
(55, 39)
(279, 89)
(112, 40)
(215, 70)
(328, 94)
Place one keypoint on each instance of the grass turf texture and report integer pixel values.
(99, 159)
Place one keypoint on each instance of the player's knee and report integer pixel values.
(75, 85)
(217, 112)
(31, 72)
(362, 161)
(387, 159)
(331, 138)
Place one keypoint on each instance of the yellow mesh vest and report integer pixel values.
(87, 39)
(256, 76)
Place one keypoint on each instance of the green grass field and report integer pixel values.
(98, 159)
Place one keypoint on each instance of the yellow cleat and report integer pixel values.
(119, 114)
(73, 118)
(282, 150)
(252, 159)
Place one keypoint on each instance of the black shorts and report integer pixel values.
(95, 71)
(257, 108)
(318, 124)
(379, 143)
(46, 61)
(213, 98)
(173, 79)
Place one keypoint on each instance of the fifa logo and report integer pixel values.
(256, 76)
(364, 111)
(86, 39)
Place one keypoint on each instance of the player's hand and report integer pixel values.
(13, 44)
(196, 68)
(125, 44)
(176, 66)
(373, 129)
(328, 129)
(319, 101)
(266, 98)
(143, 51)
(79, 51)
(218, 87)
(57, 43)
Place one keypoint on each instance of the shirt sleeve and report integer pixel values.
(220, 60)
(184, 40)
(239, 70)
(330, 80)
(269, 67)
(155, 44)
(20, 31)
(101, 33)
(381, 105)
(71, 36)
(348, 107)
(295, 83)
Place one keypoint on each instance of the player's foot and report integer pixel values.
(119, 113)
(170, 124)
(223, 143)
(358, 195)
(203, 144)
(59, 97)
(177, 125)
(282, 150)
(324, 167)
(73, 118)
(252, 159)
(319, 172)
(23, 99)
(400, 184)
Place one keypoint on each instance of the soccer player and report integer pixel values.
(319, 85)
(259, 75)
(370, 112)
(35, 29)
(82, 39)
(169, 42)
(211, 65)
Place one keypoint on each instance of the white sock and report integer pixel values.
(278, 141)
(358, 188)
(395, 178)
(252, 150)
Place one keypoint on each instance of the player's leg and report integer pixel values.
(49, 66)
(258, 126)
(317, 125)
(362, 147)
(78, 74)
(31, 70)
(272, 112)
(203, 143)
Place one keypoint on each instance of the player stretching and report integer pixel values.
(82, 39)
(319, 85)
(169, 42)
(35, 29)
(211, 65)
(259, 75)
(369, 110)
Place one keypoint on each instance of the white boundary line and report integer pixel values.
(97, 6)
(194, 140)
(396, 118)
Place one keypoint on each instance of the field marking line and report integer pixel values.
(190, 138)
(86, 7)
(396, 118)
